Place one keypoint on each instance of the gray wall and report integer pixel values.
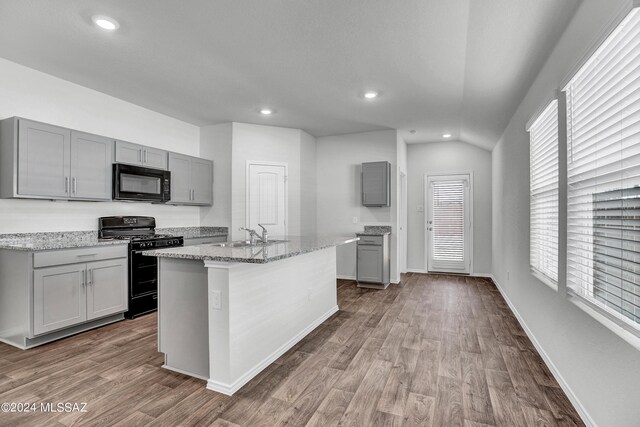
(601, 370)
(215, 144)
(449, 157)
(339, 160)
(34, 95)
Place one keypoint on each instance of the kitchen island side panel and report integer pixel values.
(265, 309)
(183, 332)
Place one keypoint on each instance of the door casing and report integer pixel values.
(427, 207)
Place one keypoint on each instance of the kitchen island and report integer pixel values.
(227, 311)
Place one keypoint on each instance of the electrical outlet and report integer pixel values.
(216, 300)
(508, 275)
(355, 219)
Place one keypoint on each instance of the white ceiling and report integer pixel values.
(458, 66)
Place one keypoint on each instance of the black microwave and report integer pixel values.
(140, 184)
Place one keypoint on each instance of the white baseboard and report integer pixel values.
(230, 389)
(418, 270)
(554, 370)
(346, 277)
(486, 275)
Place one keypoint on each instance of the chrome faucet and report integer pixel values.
(253, 235)
(265, 235)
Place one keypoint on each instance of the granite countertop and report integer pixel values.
(194, 232)
(54, 240)
(79, 239)
(375, 230)
(259, 254)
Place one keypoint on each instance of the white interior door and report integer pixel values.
(267, 198)
(449, 225)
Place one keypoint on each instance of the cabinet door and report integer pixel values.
(180, 168)
(43, 159)
(154, 158)
(375, 184)
(91, 159)
(59, 299)
(127, 152)
(202, 181)
(106, 288)
(370, 263)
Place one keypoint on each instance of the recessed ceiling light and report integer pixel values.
(266, 111)
(446, 135)
(105, 22)
(412, 131)
(370, 94)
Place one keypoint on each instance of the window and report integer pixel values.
(603, 177)
(543, 192)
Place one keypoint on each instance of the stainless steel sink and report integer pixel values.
(246, 243)
(239, 244)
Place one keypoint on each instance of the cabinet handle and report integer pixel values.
(140, 152)
(75, 185)
(86, 255)
(145, 156)
(193, 194)
(84, 277)
(90, 281)
(66, 185)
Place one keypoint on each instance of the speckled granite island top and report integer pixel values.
(293, 246)
(194, 232)
(54, 240)
(375, 230)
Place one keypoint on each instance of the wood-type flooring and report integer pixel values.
(438, 350)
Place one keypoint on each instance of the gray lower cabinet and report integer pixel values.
(191, 180)
(58, 298)
(373, 262)
(39, 160)
(140, 155)
(67, 295)
(105, 293)
(71, 290)
(204, 240)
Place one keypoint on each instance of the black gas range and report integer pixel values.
(143, 270)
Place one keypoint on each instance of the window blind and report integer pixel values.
(448, 220)
(603, 173)
(543, 193)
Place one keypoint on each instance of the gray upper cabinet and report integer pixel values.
(376, 184)
(202, 181)
(191, 180)
(140, 155)
(180, 168)
(38, 160)
(43, 159)
(91, 159)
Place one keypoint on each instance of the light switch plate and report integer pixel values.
(355, 219)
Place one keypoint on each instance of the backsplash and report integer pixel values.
(32, 216)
